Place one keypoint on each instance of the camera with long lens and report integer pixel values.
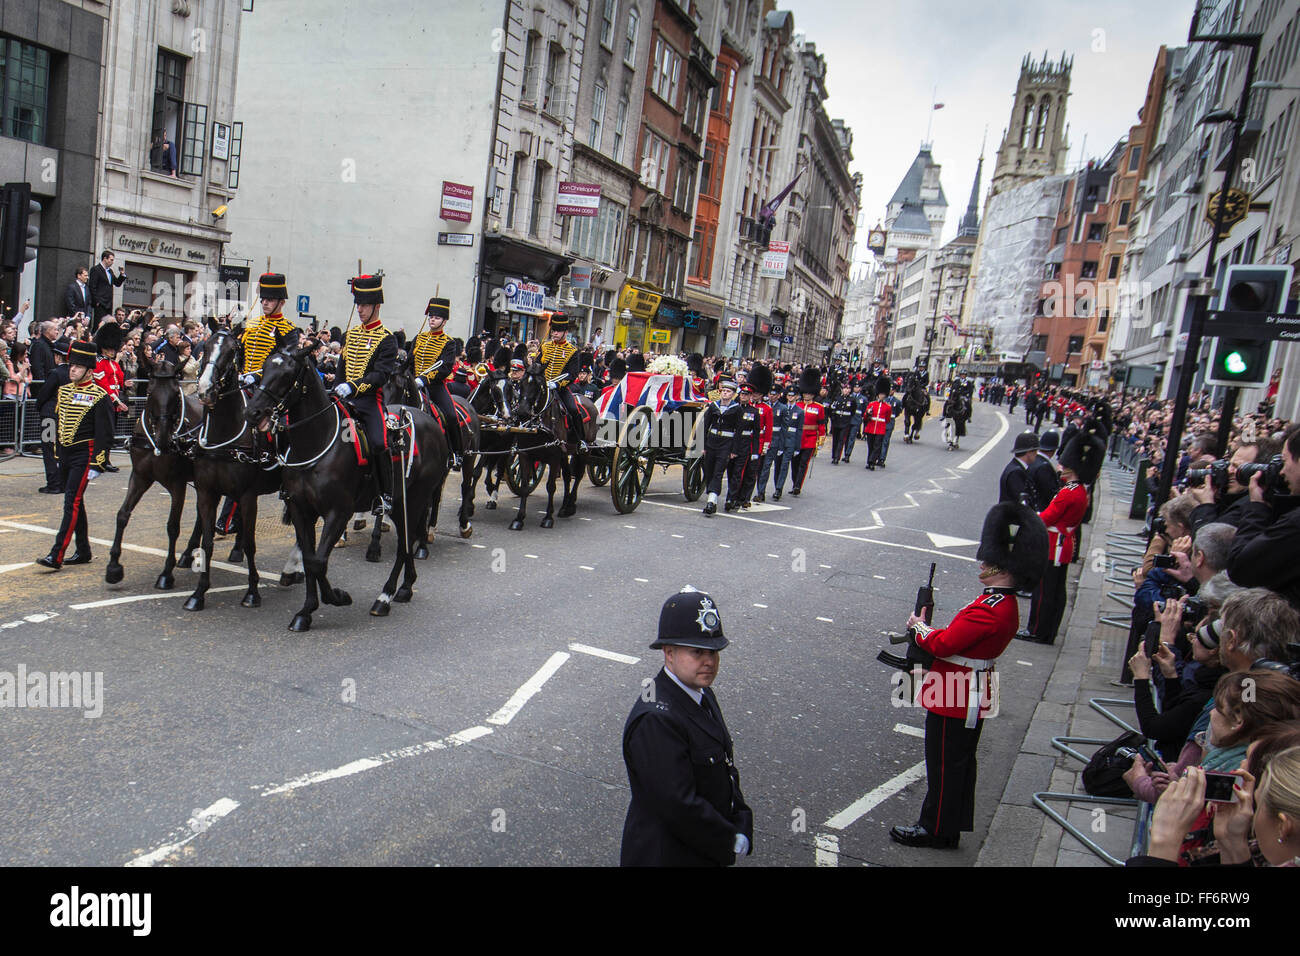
(1194, 611)
(1290, 667)
(1216, 471)
(1272, 481)
(1172, 592)
(1159, 525)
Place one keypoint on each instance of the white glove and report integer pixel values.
(344, 390)
(419, 382)
(742, 844)
(553, 384)
(248, 378)
(92, 474)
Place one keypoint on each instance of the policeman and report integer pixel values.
(1016, 484)
(369, 358)
(718, 424)
(841, 415)
(787, 431)
(960, 688)
(434, 353)
(687, 808)
(270, 331)
(584, 386)
(560, 356)
(748, 437)
(84, 432)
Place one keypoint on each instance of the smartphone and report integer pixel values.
(1218, 786)
(1165, 561)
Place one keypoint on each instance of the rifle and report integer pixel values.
(914, 656)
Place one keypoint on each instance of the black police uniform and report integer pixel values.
(719, 427)
(687, 807)
(745, 447)
(841, 415)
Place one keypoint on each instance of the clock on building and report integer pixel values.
(876, 241)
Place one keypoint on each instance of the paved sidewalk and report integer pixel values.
(1085, 659)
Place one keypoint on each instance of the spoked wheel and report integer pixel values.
(599, 471)
(693, 479)
(633, 463)
(522, 476)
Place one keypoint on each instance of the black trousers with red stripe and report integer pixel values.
(74, 471)
(1048, 605)
(949, 806)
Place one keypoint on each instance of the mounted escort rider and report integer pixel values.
(435, 355)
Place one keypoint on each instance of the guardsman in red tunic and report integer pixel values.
(874, 422)
(108, 374)
(814, 425)
(1081, 462)
(960, 688)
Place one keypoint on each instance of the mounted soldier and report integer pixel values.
(560, 357)
(435, 355)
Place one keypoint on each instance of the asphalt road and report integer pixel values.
(481, 723)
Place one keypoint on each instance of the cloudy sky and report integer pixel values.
(884, 60)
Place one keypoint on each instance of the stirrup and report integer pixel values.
(383, 506)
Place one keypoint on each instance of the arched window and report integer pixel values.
(1028, 125)
(1042, 126)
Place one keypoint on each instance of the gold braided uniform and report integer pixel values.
(261, 338)
(556, 357)
(78, 419)
(428, 349)
(363, 347)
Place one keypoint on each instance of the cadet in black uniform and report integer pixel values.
(369, 358)
(841, 410)
(720, 420)
(687, 808)
(84, 432)
(745, 448)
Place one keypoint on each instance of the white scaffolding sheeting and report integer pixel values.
(1018, 228)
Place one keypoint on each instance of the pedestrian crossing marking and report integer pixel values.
(948, 541)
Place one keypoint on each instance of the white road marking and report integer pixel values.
(607, 655)
(720, 545)
(826, 566)
(155, 597)
(478, 545)
(1026, 663)
(630, 527)
(761, 506)
(370, 763)
(868, 802)
(533, 556)
(828, 849)
(15, 567)
(528, 689)
(641, 580)
(948, 541)
(199, 823)
(763, 606)
(773, 555)
(909, 730)
(30, 619)
(679, 536)
(988, 446)
(583, 567)
(875, 516)
(580, 518)
(141, 549)
(829, 534)
(826, 619)
(880, 577)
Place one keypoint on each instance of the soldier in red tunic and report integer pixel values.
(814, 426)
(108, 374)
(874, 421)
(960, 688)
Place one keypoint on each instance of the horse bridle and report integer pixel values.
(177, 432)
(222, 393)
(279, 415)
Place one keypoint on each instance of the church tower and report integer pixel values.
(1034, 144)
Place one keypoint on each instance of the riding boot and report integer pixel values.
(384, 479)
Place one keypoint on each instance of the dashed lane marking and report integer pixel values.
(156, 597)
(607, 655)
(763, 606)
(30, 619)
(138, 548)
(869, 801)
(826, 619)
(641, 580)
(528, 689)
(909, 730)
(1025, 663)
(199, 823)
(583, 567)
(948, 541)
(880, 577)
(15, 567)
(828, 849)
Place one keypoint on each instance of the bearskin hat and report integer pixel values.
(521, 352)
(759, 379)
(109, 336)
(636, 362)
(695, 362)
(1095, 427)
(474, 351)
(617, 369)
(586, 360)
(1015, 540)
(1084, 455)
(787, 369)
(501, 359)
(884, 386)
(810, 380)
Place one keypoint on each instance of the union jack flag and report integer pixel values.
(644, 388)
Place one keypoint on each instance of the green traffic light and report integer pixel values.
(1234, 363)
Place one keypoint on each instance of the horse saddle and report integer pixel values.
(586, 416)
(462, 416)
(360, 444)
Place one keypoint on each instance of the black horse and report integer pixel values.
(164, 433)
(324, 477)
(494, 400)
(541, 408)
(230, 460)
(916, 405)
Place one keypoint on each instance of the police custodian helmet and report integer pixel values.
(690, 619)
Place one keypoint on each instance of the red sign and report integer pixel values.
(457, 202)
(578, 199)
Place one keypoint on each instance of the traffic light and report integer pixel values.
(1250, 292)
(952, 361)
(19, 235)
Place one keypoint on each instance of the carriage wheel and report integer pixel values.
(633, 463)
(521, 479)
(693, 479)
(599, 471)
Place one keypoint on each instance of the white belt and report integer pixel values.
(976, 666)
(723, 434)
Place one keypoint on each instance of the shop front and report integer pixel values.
(668, 325)
(739, 333)
(638, 305)
(176, 276)
(517, 277)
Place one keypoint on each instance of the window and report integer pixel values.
(531, 72)
(1112, 272)
(193, 142)
(551, 92)
(1028, 125)
(514, 191)
(1042, 126)
(1076, 344)
(725, 92)
(629, 46)
(1125, 208)
(684, 193)
(1052, 270)
(168, 100)
(236, 146)
(24, 90)
(1060, 235)
(1089, 271)
(1134, 158)
(607, 24)
(539, 189)
(1097, 232)
(706, 170)
(664, 71)
(1103, 320)
(597, 237)
(1040, 343)
(597, 116)
(655, 155)
(619, 125)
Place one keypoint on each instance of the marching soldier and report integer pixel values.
(879, 414)
(841, 418)
(83, 434)
(759, 383)
(369, 358)
(814, 426)
(108, 374)
(560, 356)
(434, 353)
(787, 433)
(268, 332)
(895, 409)
(749, 428)
(861, 398)
(687, 808)
(959, 689)
(719, 422)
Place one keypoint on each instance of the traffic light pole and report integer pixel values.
(1198, 297)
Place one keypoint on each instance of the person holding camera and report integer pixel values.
(1220, 496)
(1268, 531)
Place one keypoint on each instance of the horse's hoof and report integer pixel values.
(548, 522)
(342, 598)
(403, 595)
(236, 555)
(194, 603)
(491, 506)
(300, 623)
(372, 554)
(113, 574)
(467, 531)
(358, 525)
(186, 560)
(252, 599)
(568, 511)
(516, 525)
(287, 580)
(421, 553)
(379, 608)
(165, 582)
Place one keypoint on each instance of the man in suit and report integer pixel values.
(102, 282)
(1042, 470)
(76, 298)
(1015, 484)
(687, 808)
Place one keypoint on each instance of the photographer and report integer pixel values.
(1220, 496)
(1268, 532)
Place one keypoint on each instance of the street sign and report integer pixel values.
(660, 336)
(777, 330)
(525, 297)
(304, 304)
(227, 273)
(1267, 327)
(787, 340)
(455, 238)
